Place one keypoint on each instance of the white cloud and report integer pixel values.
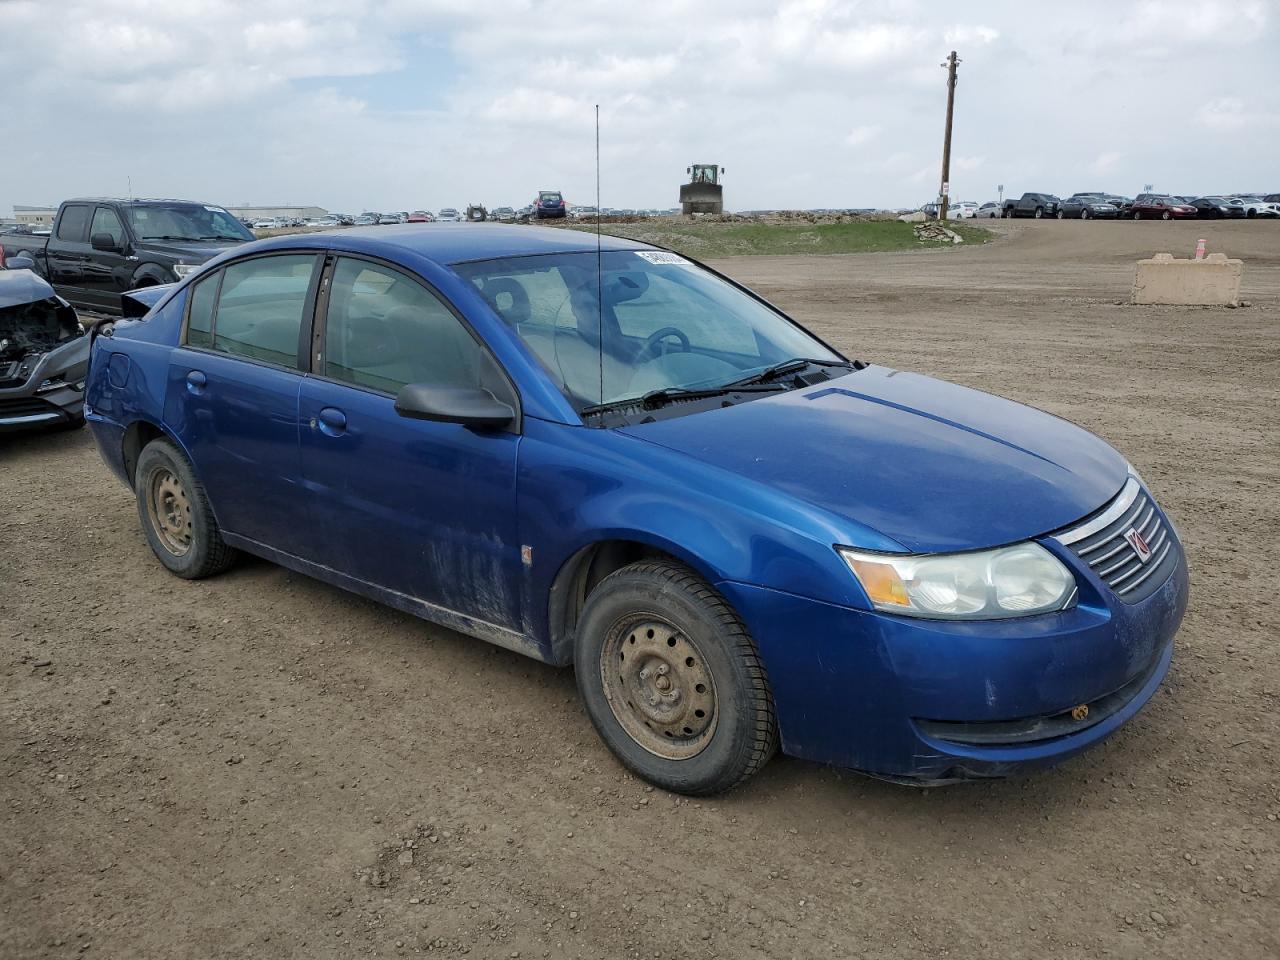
(1230, 114)
(863, 134)
(405, 103)
(1105, 162)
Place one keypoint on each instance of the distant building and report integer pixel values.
(35, 216)
(262, 213)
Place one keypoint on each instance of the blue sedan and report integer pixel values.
(616, 458)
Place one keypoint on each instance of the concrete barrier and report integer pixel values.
(1213, 281)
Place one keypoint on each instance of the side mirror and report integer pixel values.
(104, 241)
(469, 406)
(20, 261)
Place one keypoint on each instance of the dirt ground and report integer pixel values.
(260, 765)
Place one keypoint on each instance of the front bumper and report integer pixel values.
(929, 701)
(23, 408)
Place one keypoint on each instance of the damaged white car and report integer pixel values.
(44, 356)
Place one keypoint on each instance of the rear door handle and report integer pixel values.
(332, 421)
(196, 381)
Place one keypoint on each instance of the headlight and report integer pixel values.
(1007, 582)
(181, 270)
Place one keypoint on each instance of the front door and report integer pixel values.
(105, 271)
(425, 509)
(232, 395)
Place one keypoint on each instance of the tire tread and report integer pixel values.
(734, 632)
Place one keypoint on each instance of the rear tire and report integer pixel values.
(176, 516)
(1039, 214)
(672, 681)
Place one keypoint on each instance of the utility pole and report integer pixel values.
(945, 190)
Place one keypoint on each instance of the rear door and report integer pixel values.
(68, 252)
(232, 395)
(425, 509)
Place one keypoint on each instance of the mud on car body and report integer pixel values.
(44, 355)
(619, 459)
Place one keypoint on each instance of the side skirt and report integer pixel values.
(461, 622)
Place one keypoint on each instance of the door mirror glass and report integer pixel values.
(469, 406)
(104, 241)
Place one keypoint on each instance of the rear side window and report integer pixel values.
(260, 308)
(385, 331)
(74, 223)
(200, 314)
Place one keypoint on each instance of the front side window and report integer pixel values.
(662, 322)
(384, 331)
(260, 307)
(105, 220)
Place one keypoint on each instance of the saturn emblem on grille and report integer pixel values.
(1139, 544)
(1080, 712)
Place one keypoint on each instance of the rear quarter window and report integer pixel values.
(200, 312)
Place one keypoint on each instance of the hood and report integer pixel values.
(18, 287)
(191, 251)
(930, 464)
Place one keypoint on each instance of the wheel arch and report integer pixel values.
(149, 275)
(583, 571)
(137, 435)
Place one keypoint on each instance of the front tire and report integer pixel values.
(1166, 215)
(1084, 213)
(672, 681)
(176, 516)
(1061, 215)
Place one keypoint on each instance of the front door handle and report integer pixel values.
(196, 382)
(332, 421)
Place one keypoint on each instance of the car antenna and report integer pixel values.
(599, 264)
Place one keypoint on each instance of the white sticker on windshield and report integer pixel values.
(661, 256)
(213, 209)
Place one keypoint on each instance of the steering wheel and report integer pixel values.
(650, 349)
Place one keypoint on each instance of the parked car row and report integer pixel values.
(1097, 205)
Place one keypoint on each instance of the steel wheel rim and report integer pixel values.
(169, 511)
(659, 687)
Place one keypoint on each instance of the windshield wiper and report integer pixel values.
(169, 236)
(220, 236)
(790, 366)
(665, 395)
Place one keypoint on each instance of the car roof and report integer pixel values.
(446, 244)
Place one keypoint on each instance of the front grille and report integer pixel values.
(1107, 542)
(18, 409)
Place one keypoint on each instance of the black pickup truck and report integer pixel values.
(1032, 205)
(99, 248)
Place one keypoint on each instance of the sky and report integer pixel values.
(358, 105)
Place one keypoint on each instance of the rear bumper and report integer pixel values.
(549, 214)
(933, 701)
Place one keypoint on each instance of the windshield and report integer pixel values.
(184, 221)
(667, 323)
